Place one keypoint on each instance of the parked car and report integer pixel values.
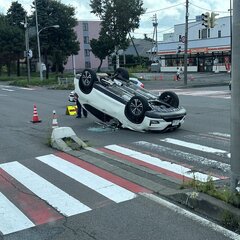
(136, 81)
(117, 98)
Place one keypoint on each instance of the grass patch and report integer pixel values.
(209, 187)
(231, 222)
(137, 69)
(33, 82)
(71, 143)
(228, 219)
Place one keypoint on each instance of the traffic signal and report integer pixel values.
(206, 21)
(29, 53)
(213, 19)
(179, 49)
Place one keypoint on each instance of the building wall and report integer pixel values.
(222, 24)
(208, 48)
(86, 30)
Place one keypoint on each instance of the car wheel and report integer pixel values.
(87, 80)
(135, 109)
(122, 74)
(170, 98)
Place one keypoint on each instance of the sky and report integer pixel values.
(167, 12)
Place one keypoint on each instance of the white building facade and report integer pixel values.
(209, 49)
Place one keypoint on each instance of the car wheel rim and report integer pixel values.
(86, 78)
(136, 107)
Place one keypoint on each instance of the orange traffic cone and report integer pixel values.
(35, 118)
(54, 120)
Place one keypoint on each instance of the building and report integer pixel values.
(85, 30)
(209, 49)
(138, 47)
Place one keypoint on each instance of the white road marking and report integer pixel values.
(89, 179)
(24, 88)
(204, 222)
(195, 146)
(220, 134)
(187, 156)
(206, 93)
(11, 218)
(179, 169)
(8, 90)
(63, 202)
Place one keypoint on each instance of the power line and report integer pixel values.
(162, 9)
(205, 9)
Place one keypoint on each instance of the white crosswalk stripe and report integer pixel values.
(196, 146)
(57, 198)
(11, 218)
(177, 156)
(206, 93)
(175, 168)
(8, 88)
(193, 158)
(98, 184)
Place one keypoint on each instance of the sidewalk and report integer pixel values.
(193, 79)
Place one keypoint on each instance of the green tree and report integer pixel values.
(119, 17)
(16, 18)
(16, 15)
(57, 44)
(102, 47)
(11, 43)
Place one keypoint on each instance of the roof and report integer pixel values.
(201, 45)
(141, 45)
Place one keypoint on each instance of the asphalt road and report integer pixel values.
(207, 124)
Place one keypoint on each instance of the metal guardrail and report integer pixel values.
(65, 81)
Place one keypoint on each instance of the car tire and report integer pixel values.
(87, 80)
(122, 74)
(135, 109)
(170, 98)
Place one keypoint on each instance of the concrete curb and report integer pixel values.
(206, 205)
(61, 133)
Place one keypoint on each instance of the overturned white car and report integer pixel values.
(114, 97)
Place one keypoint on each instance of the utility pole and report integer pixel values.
(235, 100)
(230, 35)
(38, 43)
(27, 48)
(186, 44)
(155, 41)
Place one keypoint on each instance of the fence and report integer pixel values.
(65, 81)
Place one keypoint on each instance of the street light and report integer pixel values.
(39, 48)
(38, 40)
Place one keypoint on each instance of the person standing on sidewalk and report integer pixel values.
(80, 108)
(178, 74)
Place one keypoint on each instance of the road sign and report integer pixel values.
(183, 39)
